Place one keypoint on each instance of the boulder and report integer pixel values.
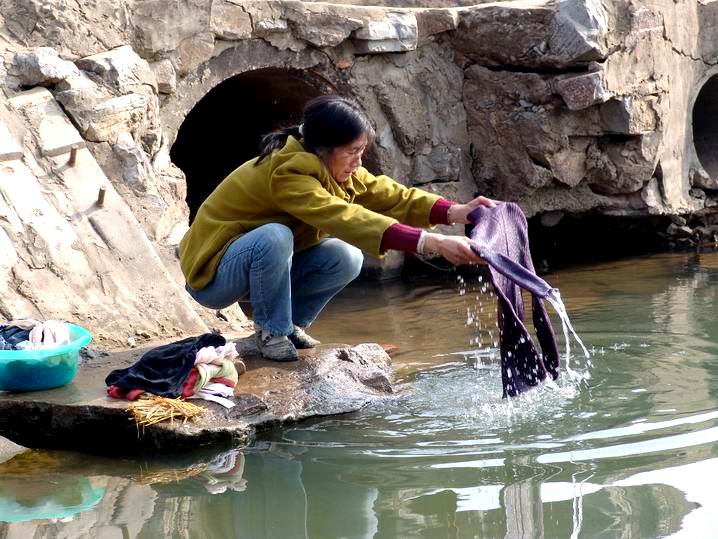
(121, 68)
(397, 32)
(106, 119)
(331, 379)
(583, 91)
(629, 115)
(229, 21)
(578, 30)
(41, 67)
(165, 76)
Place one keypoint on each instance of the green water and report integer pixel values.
(628, 448)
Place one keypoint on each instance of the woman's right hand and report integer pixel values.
(455, 249)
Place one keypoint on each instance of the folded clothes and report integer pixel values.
(163, 370)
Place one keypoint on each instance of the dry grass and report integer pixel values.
(151, 409)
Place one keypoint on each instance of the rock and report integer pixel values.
(320, 25)
(435, 21)
(229, 21)
(622, 166)
(551, 218)
(131, 342)
(136, 167)
(108, 118)
(194, 51)
(165, 76)
(441, 163)
(583, 91)
(397, 32)
(697, 193)
(698, 177)
(679, 220)
(122, 68)
(578, 30)
(54, 132)
(10, 149)
(629, 116)
(651, 194)
(81, 417)
(41, 67)
(679, 231)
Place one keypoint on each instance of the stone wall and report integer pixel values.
(564, 106)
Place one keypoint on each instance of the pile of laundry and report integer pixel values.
(29, 334)
(204, 367)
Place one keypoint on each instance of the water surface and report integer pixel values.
(626, 448)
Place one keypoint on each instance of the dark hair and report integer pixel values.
(328, 121)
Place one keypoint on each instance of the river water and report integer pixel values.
(627, 447)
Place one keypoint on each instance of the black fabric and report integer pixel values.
(163, 370)
(10, 336)
(502, 237)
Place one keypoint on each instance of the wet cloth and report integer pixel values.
(32, 334)
(502, 237)
(11, 336)
(163, 370)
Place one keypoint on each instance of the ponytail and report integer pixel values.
(328, 121)
(276, 140)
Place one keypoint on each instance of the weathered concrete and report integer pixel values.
(55, 134)
(332, 379)
(10, 149)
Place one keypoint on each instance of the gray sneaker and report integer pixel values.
(275, 347)
(301, 340)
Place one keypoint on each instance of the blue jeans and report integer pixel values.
(285, 288)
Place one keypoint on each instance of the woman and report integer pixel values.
(287, 229)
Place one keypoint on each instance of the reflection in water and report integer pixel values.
(625, 453)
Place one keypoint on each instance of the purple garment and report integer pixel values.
(502, 237)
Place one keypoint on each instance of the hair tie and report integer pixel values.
(301, 130)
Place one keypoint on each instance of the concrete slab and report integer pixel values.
(331, 379)
(10, 149)
(54, 132)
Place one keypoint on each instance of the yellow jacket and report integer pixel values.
(294, 188)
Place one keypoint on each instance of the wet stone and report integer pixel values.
(81, 417)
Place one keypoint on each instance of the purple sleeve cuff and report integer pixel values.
(440, 211)
(401, 238)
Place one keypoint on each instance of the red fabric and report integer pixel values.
(121, 393)
(188, 386)
(225, 381)
(401, 237)
(440, 211)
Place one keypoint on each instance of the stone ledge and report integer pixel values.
(332, 379)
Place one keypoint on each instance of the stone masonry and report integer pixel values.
(561, 105)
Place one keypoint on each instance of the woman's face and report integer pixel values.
(342, 161)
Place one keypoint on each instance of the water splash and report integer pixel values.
(554, 298)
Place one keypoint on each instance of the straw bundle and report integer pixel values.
(151, 409)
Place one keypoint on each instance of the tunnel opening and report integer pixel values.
(705, 128)
(225, 127)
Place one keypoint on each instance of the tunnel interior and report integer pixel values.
(225, 127)
(705, 126)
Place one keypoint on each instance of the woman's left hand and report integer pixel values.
(458, 213)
